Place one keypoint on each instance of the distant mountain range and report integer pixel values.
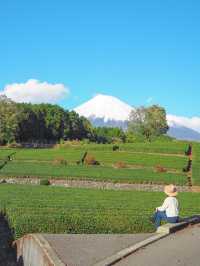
(105, 110)
(183, 133)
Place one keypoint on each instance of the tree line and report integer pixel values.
(48, 123)
(45, 123)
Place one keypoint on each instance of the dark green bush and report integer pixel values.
(115, 148)
(44, 182)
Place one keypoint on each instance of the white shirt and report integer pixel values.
(170, 206)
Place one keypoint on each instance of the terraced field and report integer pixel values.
(168, 148)
(196, 164)
(61, 210)
(141, 162)
(97, 173)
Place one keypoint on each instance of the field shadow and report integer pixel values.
(7, 159)
(8, 251)
(188, 219)
(3, 164)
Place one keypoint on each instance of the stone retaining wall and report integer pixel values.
(95, 184)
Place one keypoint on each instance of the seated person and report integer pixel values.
(169, 211)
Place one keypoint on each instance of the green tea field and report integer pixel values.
(158, 162)
(61, 210)
(196, 165)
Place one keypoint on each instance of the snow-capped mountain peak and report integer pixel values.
(105, 107)
(105, 110)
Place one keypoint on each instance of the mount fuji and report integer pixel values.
(105, 110)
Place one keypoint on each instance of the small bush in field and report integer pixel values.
(120, 165)
(115, 148)
(44, 182)
(160, 169)
(90, 160)
(60, 161)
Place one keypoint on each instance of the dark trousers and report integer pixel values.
(161, 216)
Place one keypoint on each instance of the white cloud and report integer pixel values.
(34, 91)
(193, 122)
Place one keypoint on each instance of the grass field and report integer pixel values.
(104, 157)
(46, 170)
(60, 210)
(170, 147)
(141, 160)
(196, 164)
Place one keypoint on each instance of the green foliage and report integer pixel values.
(134, 138)
(196, 164)
(44, 182)
(149, 122)
(40, 123)
(47, 123)
(8, 120)
(109, 135)
(115, 148)
(50, 123)
(84, 211)
(79, 127)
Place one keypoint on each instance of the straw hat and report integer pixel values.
(171, 190)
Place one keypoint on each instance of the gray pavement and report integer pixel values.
(181, 249)
(86, 250)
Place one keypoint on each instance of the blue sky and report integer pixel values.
(134, 50)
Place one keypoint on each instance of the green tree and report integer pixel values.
(109, 134)
(43, 123)
(79, 127)
(148, 122)
(8, 120)
(40, 123)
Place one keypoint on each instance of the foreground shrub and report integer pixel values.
(115, 148)
(44, 182)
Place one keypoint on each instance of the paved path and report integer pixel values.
(86, 250)
(181, 249)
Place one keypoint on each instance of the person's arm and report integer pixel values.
(164, 206)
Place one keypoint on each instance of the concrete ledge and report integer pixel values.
(162, 232)
(172, 228)
(34, 250)
(128, 251)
